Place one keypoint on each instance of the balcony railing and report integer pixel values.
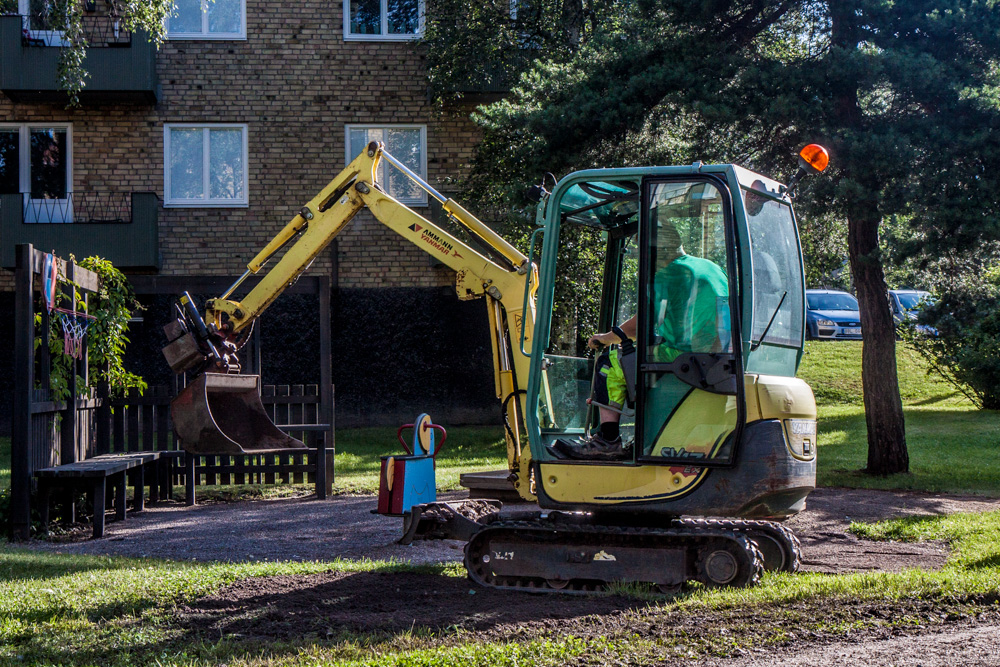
(43, 29)
(121, 66)
(119, 226)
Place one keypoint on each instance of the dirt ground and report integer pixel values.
(331, 605)
(325, 605)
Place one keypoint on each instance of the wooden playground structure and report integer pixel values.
(91, 442)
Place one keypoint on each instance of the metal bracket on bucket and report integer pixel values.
(220, 414)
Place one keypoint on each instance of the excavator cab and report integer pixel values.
(712, 418)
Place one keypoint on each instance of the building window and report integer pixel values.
(204, 166)
(37, 161)
(406, 143)
(208, 19)
(383, 19)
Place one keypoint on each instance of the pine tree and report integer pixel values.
(906, 95)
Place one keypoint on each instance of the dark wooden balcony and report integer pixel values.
(121, 65)
(119, 226)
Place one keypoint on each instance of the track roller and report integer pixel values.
(735, 563)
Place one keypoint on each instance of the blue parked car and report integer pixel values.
(832, 315)
(906, 305)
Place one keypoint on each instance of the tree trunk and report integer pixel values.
(883, 408)
(572, 20)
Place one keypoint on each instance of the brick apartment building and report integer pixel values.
(180, 163)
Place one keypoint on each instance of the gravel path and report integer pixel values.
(976, 646)
(283, 529)
(307, 529)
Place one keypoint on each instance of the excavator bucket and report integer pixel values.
(221, 414)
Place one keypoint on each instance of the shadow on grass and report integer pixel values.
(382, 603)
(983, 563)
(930, 400)
(950, 451)
(863, 504)
(282, 615)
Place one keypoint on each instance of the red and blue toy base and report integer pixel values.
(408, 480)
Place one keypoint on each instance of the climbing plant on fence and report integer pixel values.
(111, 308)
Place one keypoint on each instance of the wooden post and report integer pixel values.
(67, 437)
(138, 488)
(326, 411)
(102, 417)
(121, 490)
(166, 472)
(99, 493)
(24, 383)
(132, 424)
(154, 481)
(331, 441)
(189, 480)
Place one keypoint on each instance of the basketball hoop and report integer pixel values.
(74, 326)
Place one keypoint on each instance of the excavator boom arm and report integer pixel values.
(505, 279)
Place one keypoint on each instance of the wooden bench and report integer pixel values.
(318, 446)
(93, 475)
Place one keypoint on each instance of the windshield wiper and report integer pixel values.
(755, 345)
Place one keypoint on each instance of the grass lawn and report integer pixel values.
(85, 610)
(467, 448)
(953, 446)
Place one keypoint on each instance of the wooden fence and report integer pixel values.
(139, 423)
(45, 432)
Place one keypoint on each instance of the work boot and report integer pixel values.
(594, 448)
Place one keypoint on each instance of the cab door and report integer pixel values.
(690, 407)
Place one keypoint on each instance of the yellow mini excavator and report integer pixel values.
(700, 270)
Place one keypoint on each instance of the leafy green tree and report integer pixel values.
(824, 251)
(905, 95)
(494, 41)
(66, 17)
(957, 330)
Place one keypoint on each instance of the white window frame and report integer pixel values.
(48, 37)
(169, 202)
(422, 173)
(42, 210)
(384, 36)
(205, 34)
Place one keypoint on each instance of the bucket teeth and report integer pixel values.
(219, 414)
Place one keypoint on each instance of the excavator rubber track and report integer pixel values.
(779, 546)
(558, 557)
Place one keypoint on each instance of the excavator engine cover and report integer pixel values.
(220, 414)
